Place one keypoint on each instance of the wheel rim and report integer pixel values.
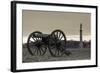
(57, 43)
(35, 44)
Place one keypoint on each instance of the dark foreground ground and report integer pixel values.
(77, 54)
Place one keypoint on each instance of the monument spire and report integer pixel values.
(81, 40)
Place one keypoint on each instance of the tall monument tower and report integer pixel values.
(81, 40)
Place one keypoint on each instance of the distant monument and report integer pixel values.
(81, 40)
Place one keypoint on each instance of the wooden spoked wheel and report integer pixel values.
(57, 43)
(35, 45)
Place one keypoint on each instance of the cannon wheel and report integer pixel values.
(35, 45)
(57, 43)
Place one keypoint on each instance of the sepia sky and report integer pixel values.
(47, 21)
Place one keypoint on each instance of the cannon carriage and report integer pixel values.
(38, 43)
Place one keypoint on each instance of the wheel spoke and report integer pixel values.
(37, 51)
(59, 35)
(54, 36)
(40, 51)
(33, 38)
(31, 41)
(55, 51)
(58, 52)
(53, 47)
(37, 39)
(33, 49)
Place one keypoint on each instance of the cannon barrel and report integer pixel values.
(41, 35)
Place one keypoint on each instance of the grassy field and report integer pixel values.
(77, 54)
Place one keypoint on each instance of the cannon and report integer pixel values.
(38, 43)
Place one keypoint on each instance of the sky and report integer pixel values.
(48, 21)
